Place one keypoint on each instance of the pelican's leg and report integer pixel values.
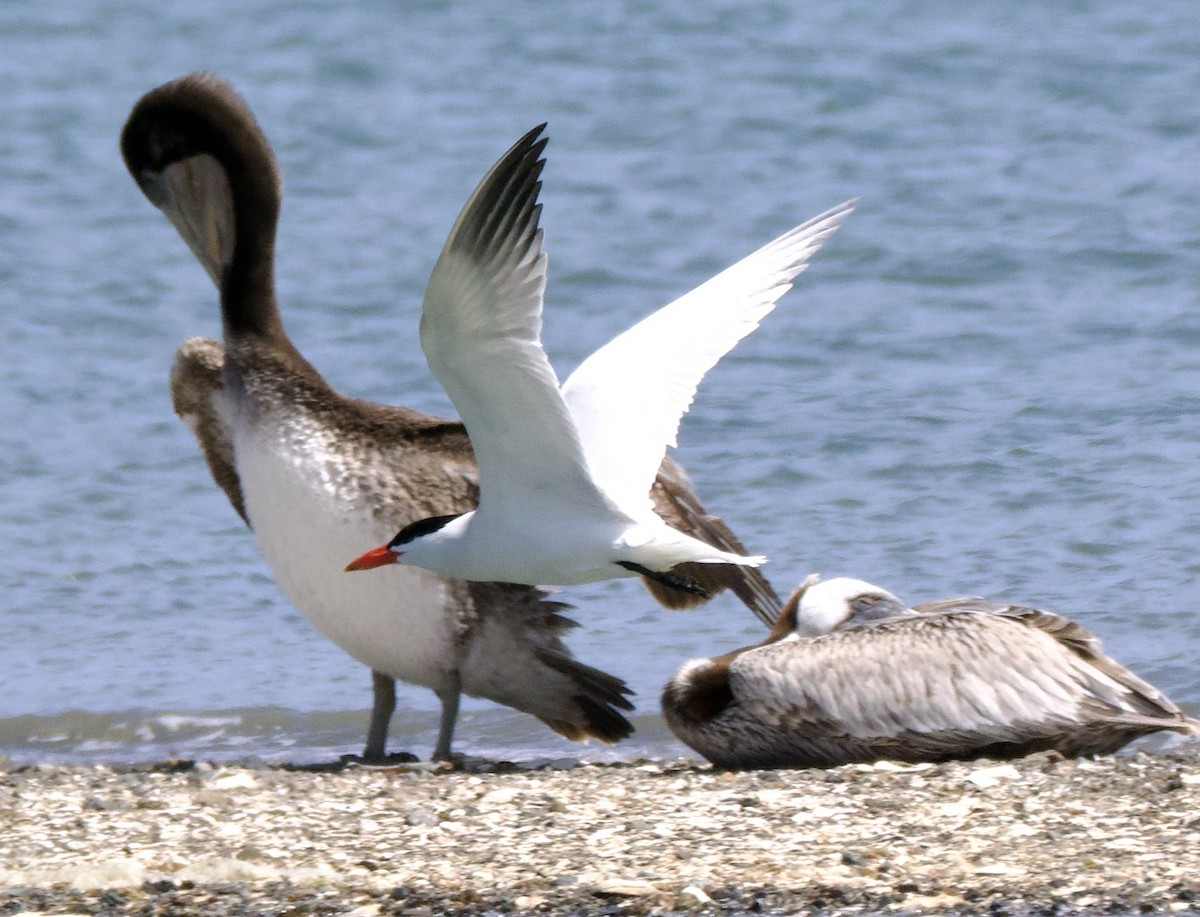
(449, 699)
(381, 716)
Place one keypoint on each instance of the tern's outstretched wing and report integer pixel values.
(640, 383)
(481, 333)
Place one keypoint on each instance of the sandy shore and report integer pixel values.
(1037, 836)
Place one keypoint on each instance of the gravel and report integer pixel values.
(1042, 835)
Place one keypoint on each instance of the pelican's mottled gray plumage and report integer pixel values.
(317, 475)
(873, 679)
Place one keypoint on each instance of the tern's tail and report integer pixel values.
(659, 547)
(724, 557)
(754, 560)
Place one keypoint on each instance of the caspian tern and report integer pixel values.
(565, 473)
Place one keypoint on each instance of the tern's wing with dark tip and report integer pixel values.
(481, 333)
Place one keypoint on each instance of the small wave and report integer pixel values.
(281, 735)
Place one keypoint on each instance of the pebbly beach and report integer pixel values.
(1039, 835)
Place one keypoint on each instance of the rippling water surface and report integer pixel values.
(987, 382)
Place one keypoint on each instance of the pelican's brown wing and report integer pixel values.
(196, 394)
(945, 684)
(681, 509)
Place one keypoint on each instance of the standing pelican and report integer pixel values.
(317, 475)
(850, 673)
(565, 472)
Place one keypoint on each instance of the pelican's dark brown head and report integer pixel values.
(196, 151)
(195, 115)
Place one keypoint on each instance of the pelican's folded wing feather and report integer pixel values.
(975, 680)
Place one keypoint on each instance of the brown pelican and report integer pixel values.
(317, 475)
(850, 673)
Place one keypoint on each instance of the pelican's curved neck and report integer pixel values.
(785, 624)
(247, 285)
(248, 303)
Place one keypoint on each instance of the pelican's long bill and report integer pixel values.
(376, 557)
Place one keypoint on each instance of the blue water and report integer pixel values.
(987, 383)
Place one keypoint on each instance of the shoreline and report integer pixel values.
(1038, 835)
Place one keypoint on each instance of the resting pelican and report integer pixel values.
(317, 475)
(850, 673)
(565, 473)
